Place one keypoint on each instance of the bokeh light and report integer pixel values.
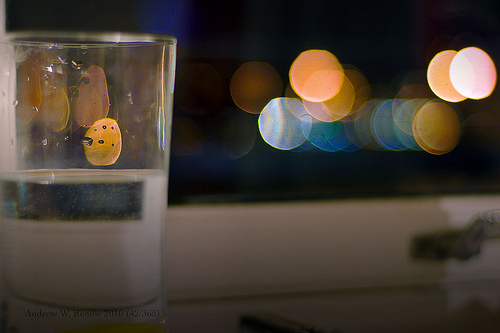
(438, 76)
(405, 112)
(254, 84)
(360, 131)
(362, 90)
(316, 75)
(337, 136)
(385, 130)
(336, 107)
(284, 123)
(473, 73)
(318, 135)
(403, 116)
(289, 92)
(437, 127)
(326, 107)
(330, 136)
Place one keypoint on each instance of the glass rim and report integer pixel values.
(87, 39)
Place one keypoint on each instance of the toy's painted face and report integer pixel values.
(103, 142)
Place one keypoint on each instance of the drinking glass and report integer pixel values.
(85, 127)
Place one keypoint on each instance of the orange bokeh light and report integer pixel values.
(437, 128)
(316, 75)
(438, 76)
(336, 107)
(253, 85)
(362, 90)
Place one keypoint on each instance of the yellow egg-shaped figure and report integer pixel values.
(103, 142)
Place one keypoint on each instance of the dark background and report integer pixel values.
(384, 39)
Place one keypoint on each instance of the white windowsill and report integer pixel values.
(267, 248)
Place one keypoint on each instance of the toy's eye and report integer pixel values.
(101, 146)
(91, 101)
(85, 79)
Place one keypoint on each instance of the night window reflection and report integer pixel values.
(279, 100)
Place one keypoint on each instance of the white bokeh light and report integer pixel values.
(473, 73)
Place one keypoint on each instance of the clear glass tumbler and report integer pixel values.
(85, 127)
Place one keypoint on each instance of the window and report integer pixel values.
(219, 150)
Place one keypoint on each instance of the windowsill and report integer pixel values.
(232, 250)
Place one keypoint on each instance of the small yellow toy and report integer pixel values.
(103, 142)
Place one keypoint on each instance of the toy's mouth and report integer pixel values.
(87, 141)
